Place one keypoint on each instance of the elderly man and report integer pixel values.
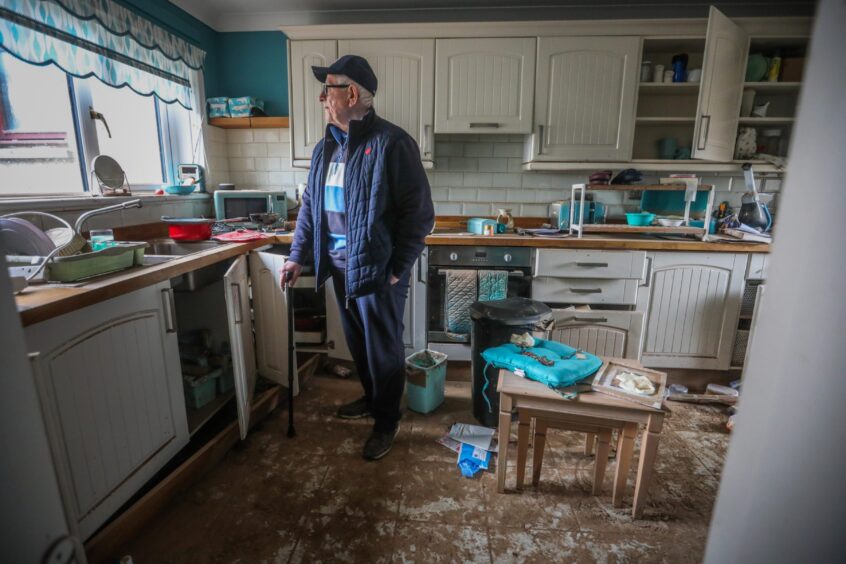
(364, 217)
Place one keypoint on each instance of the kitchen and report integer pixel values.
(524, 159)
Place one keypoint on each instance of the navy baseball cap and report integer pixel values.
(355, 67)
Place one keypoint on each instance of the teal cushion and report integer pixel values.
(566, 369)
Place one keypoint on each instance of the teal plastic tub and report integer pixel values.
(426, 376)
(200, 390)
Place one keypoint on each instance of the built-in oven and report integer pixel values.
(517, 261)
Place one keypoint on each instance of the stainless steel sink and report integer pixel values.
(163, 250)
(179, 248)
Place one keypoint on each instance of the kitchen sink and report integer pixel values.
(179, 248)
(164, 250)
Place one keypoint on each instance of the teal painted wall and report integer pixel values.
(237, 64)
(255, 64)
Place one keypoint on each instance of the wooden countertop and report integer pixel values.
(39, 303)
(645, 243)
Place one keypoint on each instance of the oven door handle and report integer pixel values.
(511, 273)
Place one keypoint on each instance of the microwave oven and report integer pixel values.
(231, 204)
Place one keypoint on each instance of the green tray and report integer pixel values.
(121, 255)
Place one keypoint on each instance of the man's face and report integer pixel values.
(337, 102)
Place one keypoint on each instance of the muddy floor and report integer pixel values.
(314, 499)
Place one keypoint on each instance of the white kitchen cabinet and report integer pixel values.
(604, 332)
(110, 387)
(306, 120)
(584, 99)
(723, 71)
(335, 337)
(414, 334)
(405, 69)
(484, 85)
(270, 307)
(692, 302)
(237, 297)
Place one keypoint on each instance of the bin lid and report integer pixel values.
(511, 311)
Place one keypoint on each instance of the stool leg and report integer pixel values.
(590, 438)
(537, 451)
(648, 450)
(602, 451)
(505, 403)
(522, 449)
(625, 448)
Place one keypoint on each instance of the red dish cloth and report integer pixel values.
(241, 235)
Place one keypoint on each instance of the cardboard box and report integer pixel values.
(792, 69)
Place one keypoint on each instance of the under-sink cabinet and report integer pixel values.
(110, 387)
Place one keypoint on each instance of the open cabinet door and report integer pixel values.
(723, 70)
(241, 338)
(270, 304)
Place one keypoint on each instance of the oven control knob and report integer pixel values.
(453, 257)
(506, 257)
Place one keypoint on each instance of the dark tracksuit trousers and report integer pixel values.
(373, 326)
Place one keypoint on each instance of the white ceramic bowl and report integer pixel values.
(670, 221)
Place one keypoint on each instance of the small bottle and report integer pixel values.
(645, 71)
(775, 67)
(659, 74)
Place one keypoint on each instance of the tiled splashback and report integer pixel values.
(474, 175)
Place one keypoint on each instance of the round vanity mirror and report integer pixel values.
(110, 176)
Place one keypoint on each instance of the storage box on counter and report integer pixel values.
(218, 107)
(245, 106)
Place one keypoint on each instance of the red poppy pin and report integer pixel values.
(367, 151)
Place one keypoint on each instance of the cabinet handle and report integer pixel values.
(540, 139)
(591, 319)
(593, 264)
(236, 295)
(704, 126)
(647, 277)
(586, 290)
(170, 310)
(477, 124)
(423, 268)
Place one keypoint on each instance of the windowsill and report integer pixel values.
(70, 202)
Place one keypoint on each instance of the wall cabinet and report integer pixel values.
(484, 85)
(692, 302)
(584, 99)
(307, 121)
(110, 386)
(406, 72)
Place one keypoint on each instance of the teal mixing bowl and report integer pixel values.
(179, 190)
(640, 219)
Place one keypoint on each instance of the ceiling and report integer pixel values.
(266, 15)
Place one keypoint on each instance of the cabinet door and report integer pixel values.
(406, 72)
(603, 333)
(335, 336)
(414, 319)
(723, 71)
(484, 85)
(585, 98)
(270, 307)
(237, 298)
(110, 386)
(692, 302)
(307, 121)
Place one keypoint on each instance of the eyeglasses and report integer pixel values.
(326, 87)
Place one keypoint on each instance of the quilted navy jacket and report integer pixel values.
(387, 200)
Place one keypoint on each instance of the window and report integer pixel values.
(48, 138)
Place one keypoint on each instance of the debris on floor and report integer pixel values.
(340, 371)
(472, 459)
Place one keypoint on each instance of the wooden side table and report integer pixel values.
(594, 411)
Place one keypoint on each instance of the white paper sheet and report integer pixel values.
(479, 437)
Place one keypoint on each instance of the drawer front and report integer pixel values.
(584, 290)
(590, 264)
(603, 333)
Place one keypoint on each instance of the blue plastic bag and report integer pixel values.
(472, 459)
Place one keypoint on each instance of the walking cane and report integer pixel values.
(289, 295)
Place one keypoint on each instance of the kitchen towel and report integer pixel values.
(493, 285)
(460, 293)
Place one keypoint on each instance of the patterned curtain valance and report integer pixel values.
(100, 38)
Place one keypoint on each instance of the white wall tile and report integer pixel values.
(519, 195)
(491, 195)
(480, 179)
(266, 135)
(533, 210)
(479, 149)
(449, 149)
(447, 209)
(241, 164)
(476, 209)
(440, 194)
(268, 163)
(515, 165)
(493, 165)
(507, 180)
(463, 164)
(507, 150)
(239, 135)
(278, 150)
(463, 194)
(255, 150)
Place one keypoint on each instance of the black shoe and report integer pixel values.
(354, 410)
(379, 444)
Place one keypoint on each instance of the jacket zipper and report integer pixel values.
(346, 222)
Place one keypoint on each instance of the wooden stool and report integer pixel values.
(591, 413)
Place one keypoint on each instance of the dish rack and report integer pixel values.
(578, 226)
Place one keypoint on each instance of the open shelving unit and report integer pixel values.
(256, 122)
(580, 228)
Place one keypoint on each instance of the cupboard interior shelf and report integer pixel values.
(766, 120)
(198, 417)
(669, 88)
(773, 86)
(257, 122)
(664, 120)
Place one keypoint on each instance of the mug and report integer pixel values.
(668, 75)
(659, 74)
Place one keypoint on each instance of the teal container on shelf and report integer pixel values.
(426, 378)
(245, 106)
(218, 107)
(200, 390)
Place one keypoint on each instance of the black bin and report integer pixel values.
(493, 324)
